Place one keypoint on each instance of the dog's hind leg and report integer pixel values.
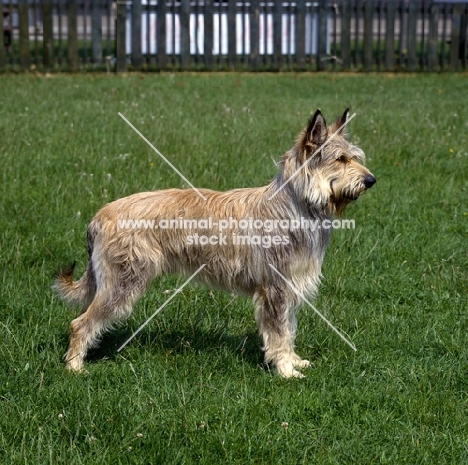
(114, 299)
(86, 329)
(276, 322)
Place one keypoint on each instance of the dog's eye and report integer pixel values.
(343, 159)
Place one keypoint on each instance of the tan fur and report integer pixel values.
(123, 262)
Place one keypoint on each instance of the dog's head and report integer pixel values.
(332, 172)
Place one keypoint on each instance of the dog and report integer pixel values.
(317, 179)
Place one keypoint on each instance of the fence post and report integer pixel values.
(300, 34)
(254, 33)
(137, 57)
(161, 34)
(185, 34)
(232, 52)
(120, 37)
(432, 53)
(368, 39)
(47, 43)
(208, 40)
(464, 37)
(72, 35)
(412, 26)
(96, 31)
(277, 55)
(346, 34)
(402, 46)
(322, 34)
(390, 36)
(455, 38)
(23, 10)
(2, 45)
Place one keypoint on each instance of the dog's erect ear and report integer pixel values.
(316, 132)
(340, 123)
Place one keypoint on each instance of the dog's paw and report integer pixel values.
(300, 363)
(286, 370)
(75, 365)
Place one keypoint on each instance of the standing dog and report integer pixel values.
(318, 177)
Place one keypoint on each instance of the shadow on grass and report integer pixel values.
(184, 341)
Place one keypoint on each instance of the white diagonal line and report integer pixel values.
(313, 308)
(159, 309)
(307, 161)
(162, 156)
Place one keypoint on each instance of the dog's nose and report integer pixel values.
(369, 181)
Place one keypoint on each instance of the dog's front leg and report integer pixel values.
(276, 320)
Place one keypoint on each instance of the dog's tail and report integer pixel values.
(78, 292)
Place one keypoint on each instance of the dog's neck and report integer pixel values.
(288, 190)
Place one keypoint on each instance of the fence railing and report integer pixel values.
(410, 35)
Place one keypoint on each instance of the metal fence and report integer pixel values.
(410, 35)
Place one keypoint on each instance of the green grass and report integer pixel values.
(191, 388)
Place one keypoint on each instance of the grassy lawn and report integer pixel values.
(191, 387)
